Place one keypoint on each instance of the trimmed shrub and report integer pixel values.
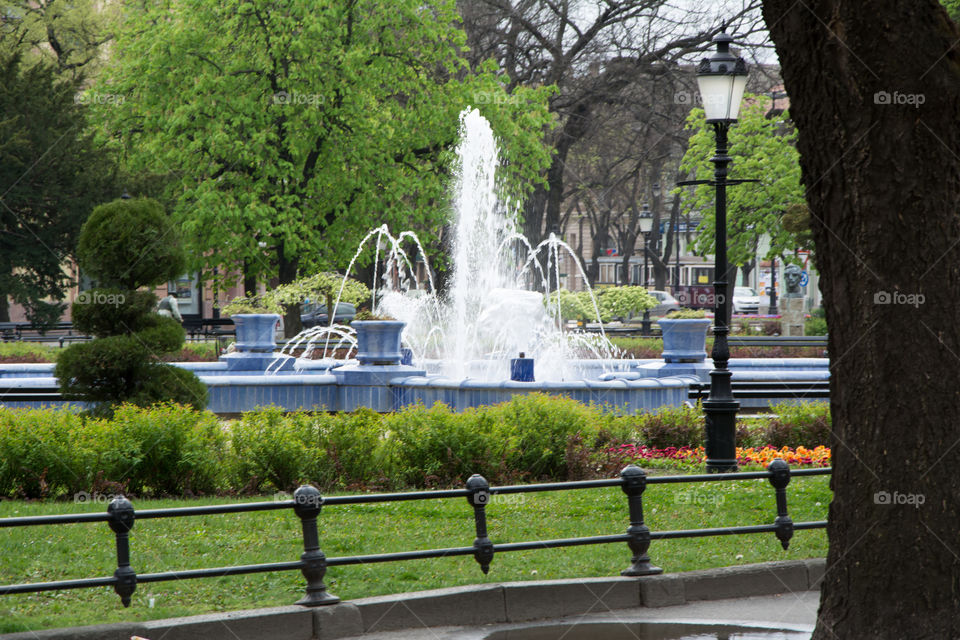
(673, 427)
(274, 449)
(39, 453)
(357, 450)
(435, 446)
(130, 243)
(807, 424)
(110, 312)
(174, 451)
(127, 244)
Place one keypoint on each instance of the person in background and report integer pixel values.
(170, 308)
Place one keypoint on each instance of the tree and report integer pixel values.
(296, 127)
(51, 176)
(762, 149)
(70, 38)
(127, 244)
(875, 96)
(591, 56)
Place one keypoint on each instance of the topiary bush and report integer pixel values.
(127, 244)
(807, 424)
(673, 427)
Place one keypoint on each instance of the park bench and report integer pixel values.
(26, 332)
(778, 341)
(29, 394)
(746, 389)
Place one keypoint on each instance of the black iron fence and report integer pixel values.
(307, 503)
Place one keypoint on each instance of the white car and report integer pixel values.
(745, 300)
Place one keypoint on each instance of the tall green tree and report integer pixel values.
(71, 37)
(51, 176)
(762, 149)
(297, 126)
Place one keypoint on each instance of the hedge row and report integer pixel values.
(171, 450)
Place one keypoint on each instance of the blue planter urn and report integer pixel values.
(684, 339)
(378, 341)
(256, 332)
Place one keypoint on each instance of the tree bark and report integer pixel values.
(875, 95)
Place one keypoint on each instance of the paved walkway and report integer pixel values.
(786, 612)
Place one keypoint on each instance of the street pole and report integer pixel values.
(720, 407)
(773, 288)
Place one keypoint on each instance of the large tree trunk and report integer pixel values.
(882, 174)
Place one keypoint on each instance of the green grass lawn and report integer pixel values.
(37, 554)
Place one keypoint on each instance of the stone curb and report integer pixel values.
(471, 605)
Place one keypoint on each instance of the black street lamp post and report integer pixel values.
(646, 224)
(773, 288)
(722, 79)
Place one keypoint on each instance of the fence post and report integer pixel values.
(121, 521)
(479, 496)
(306, 504)
(634, 483)
(780, 478)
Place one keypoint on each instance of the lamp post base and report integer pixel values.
(721, 426)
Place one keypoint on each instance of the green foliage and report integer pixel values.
(953, 8)
(611, 302)
(673, 427)
(807, 423)
(129, 244)
(70, 40)
(38, 453)
(106, 312)
(286, 142)
(324, 286)
(165, 450)
(52, 174)
(816, 324)
(687, 314)
(168, 383)
(173, 450)
(276, 449)
(762, 149)
(102, 371)
(437, 446)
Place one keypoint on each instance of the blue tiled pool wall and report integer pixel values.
(632, 385)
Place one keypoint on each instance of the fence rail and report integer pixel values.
(307, 503)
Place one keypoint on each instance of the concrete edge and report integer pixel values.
(467, 605)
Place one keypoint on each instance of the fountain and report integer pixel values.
(494, 335)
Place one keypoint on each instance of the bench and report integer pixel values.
(777, 341)
(813, 389)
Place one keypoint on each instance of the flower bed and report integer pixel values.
(749, 456)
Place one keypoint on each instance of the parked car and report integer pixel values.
(745, 300)
(315, 315)
(665, 304)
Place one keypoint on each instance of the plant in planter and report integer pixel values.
(685, 335)
(118, 247)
